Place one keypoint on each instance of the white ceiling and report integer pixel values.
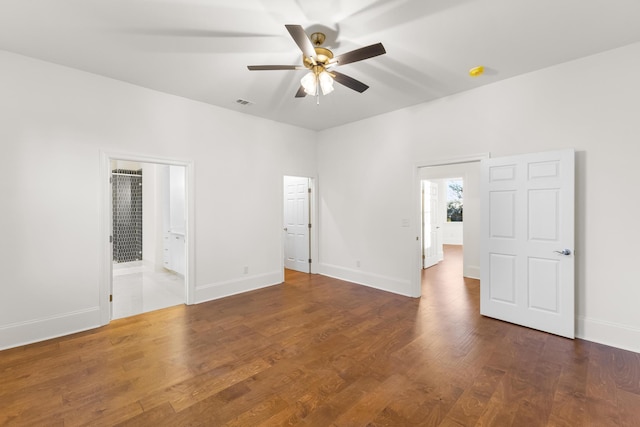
(199, 49)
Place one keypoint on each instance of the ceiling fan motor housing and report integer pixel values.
(323, 56)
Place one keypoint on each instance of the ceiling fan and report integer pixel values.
(320, 63)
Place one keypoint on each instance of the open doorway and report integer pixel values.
(445, 214)
(158, 170)
(444, 232)
(442, 217)
(148, 236)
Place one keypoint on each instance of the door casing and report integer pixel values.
(416, 273)
(106, 273)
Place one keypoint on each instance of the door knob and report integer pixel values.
(285, 229)
(564, 252)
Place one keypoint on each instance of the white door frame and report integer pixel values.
(313, 219)
(416, 273)
(106, 261)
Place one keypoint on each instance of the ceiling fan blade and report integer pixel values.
(302, 40)
(301, 93)
(360, 54)
(349, 82)
(274, 67)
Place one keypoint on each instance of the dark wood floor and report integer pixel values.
(318, 352)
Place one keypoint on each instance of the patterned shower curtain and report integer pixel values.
(127, 215)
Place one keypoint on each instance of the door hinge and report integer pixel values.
(309, 225)
(110, 239)
(110, 298)
(309, 260)
(309, 190)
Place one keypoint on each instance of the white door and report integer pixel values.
(296, 223)
(527, 264)
(430, 224)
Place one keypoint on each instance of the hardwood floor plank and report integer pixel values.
(628, 408)
(473, 402)
(263, 410)
(602, 393)
(317, 351)
(153, 417)
(497, 413)
(20, 410)
(389, 418)
(569, 409)
(286, 417)
(332, 406)
(422, 402)
(626, 370)
(570, 401)
(195, 389)
(109, 413)
(371, 402)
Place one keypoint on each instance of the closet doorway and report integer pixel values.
(299, 238)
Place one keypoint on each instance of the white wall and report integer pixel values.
(55, 123)
(452, 233)
(589, 104)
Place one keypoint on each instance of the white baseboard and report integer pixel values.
(472, 271)
(384, 283)
(608, 333)
(23, 333)
(219, 290)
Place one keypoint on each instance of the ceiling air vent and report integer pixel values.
(243, 102)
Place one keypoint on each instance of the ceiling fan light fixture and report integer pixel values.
(326, 82)
(310, 83)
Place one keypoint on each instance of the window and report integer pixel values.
(454, 200)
